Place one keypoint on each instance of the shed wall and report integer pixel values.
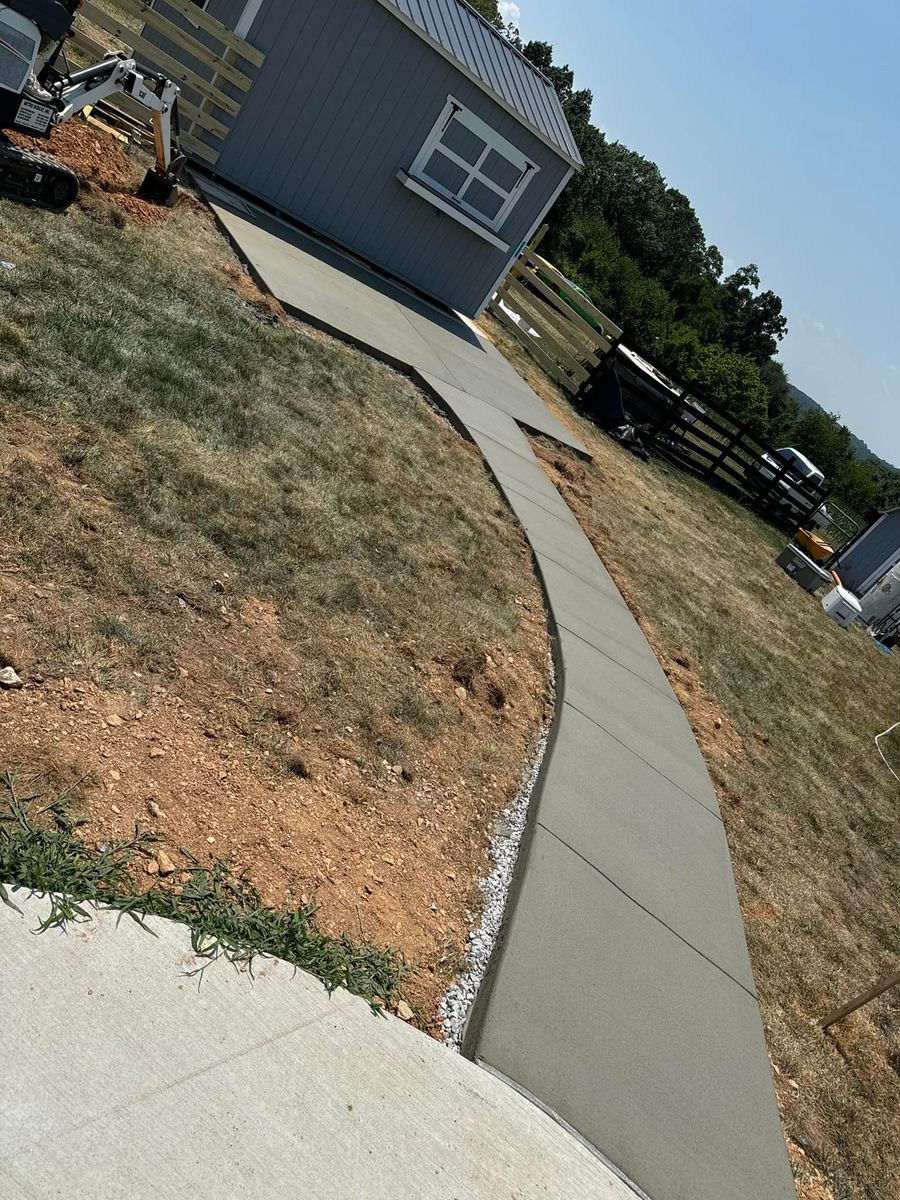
(346, 98)
(871, 554)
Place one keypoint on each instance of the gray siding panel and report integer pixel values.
(464, 34)
(346, 98)
(872, 554)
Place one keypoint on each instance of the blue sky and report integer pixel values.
(780, 119)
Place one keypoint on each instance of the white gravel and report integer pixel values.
(504, 851)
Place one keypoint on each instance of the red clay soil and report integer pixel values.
(100, 162)
(391, 852)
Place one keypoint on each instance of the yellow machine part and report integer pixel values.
(813, 545)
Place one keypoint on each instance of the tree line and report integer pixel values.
(637, 247)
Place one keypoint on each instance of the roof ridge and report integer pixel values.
(503, 38)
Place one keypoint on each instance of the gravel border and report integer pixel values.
(504, 852)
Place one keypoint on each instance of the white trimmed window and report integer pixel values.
(469, 163)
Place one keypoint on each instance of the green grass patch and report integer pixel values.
(40, 849)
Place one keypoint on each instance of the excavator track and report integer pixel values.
(31, 177)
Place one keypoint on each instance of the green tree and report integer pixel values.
(488, 9)
(783, 411)
(753, 323)
(726, 378)
(822, 437)
(859, 486)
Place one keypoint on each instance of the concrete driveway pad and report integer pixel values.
(132, 1082)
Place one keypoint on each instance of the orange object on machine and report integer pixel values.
(813, 545)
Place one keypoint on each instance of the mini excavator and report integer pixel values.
(38, 92)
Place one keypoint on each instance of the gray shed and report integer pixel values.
(408, 131)
(871, 554)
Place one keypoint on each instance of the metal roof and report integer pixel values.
(462, 34)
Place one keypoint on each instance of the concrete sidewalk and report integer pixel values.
(124, 1079)
(621, 995)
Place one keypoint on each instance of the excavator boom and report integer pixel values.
(35, 104)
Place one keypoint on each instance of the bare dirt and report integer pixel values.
(391, 851)
(205, 733)
(101, 163)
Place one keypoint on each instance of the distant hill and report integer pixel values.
(859, 447)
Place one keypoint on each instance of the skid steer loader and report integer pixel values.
(39, 92)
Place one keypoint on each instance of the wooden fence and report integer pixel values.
(221, 57)
(574, 341)
(571, 341)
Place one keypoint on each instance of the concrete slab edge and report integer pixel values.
(396, 364)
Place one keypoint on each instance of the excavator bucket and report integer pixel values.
(159, 189)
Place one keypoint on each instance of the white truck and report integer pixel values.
(793, 499)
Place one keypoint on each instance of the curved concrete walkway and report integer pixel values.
(621, 996)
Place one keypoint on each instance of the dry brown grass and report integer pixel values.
(810, 810)
(262, 554)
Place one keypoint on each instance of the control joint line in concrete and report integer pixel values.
(628, 896)
(177, 1081)
(666, 693)
(592, 583)
(645, 761)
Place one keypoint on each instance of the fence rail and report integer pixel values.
(576, 343)
(216, 51)
(569, 343)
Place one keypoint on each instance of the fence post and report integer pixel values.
(858, 1001)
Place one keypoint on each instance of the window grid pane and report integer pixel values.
(464, 143)
(484, 199)
(447, 173)
(500, 170)
(473, 165)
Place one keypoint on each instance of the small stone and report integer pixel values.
(718, 722)
(9, 678)
(397, 768)
(165, 864)
(151, 867)
(461, 693)
(794, 1085)
(182, 671)
(116, 775)
(386, 858)
(404, 1012)
(154, 810)
(115, 808)
(210, 840)
(451, 875)
(348, 728)
(157, 752)
(114, 719)
(218, 585)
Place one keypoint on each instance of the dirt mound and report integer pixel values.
(100, 161)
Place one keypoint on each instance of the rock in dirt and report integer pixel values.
(461, 693)
(404, 1012)
(154, 810)
(114, 719)
(164, 863)
(151, 866)
(157, 752)
(9, 678)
